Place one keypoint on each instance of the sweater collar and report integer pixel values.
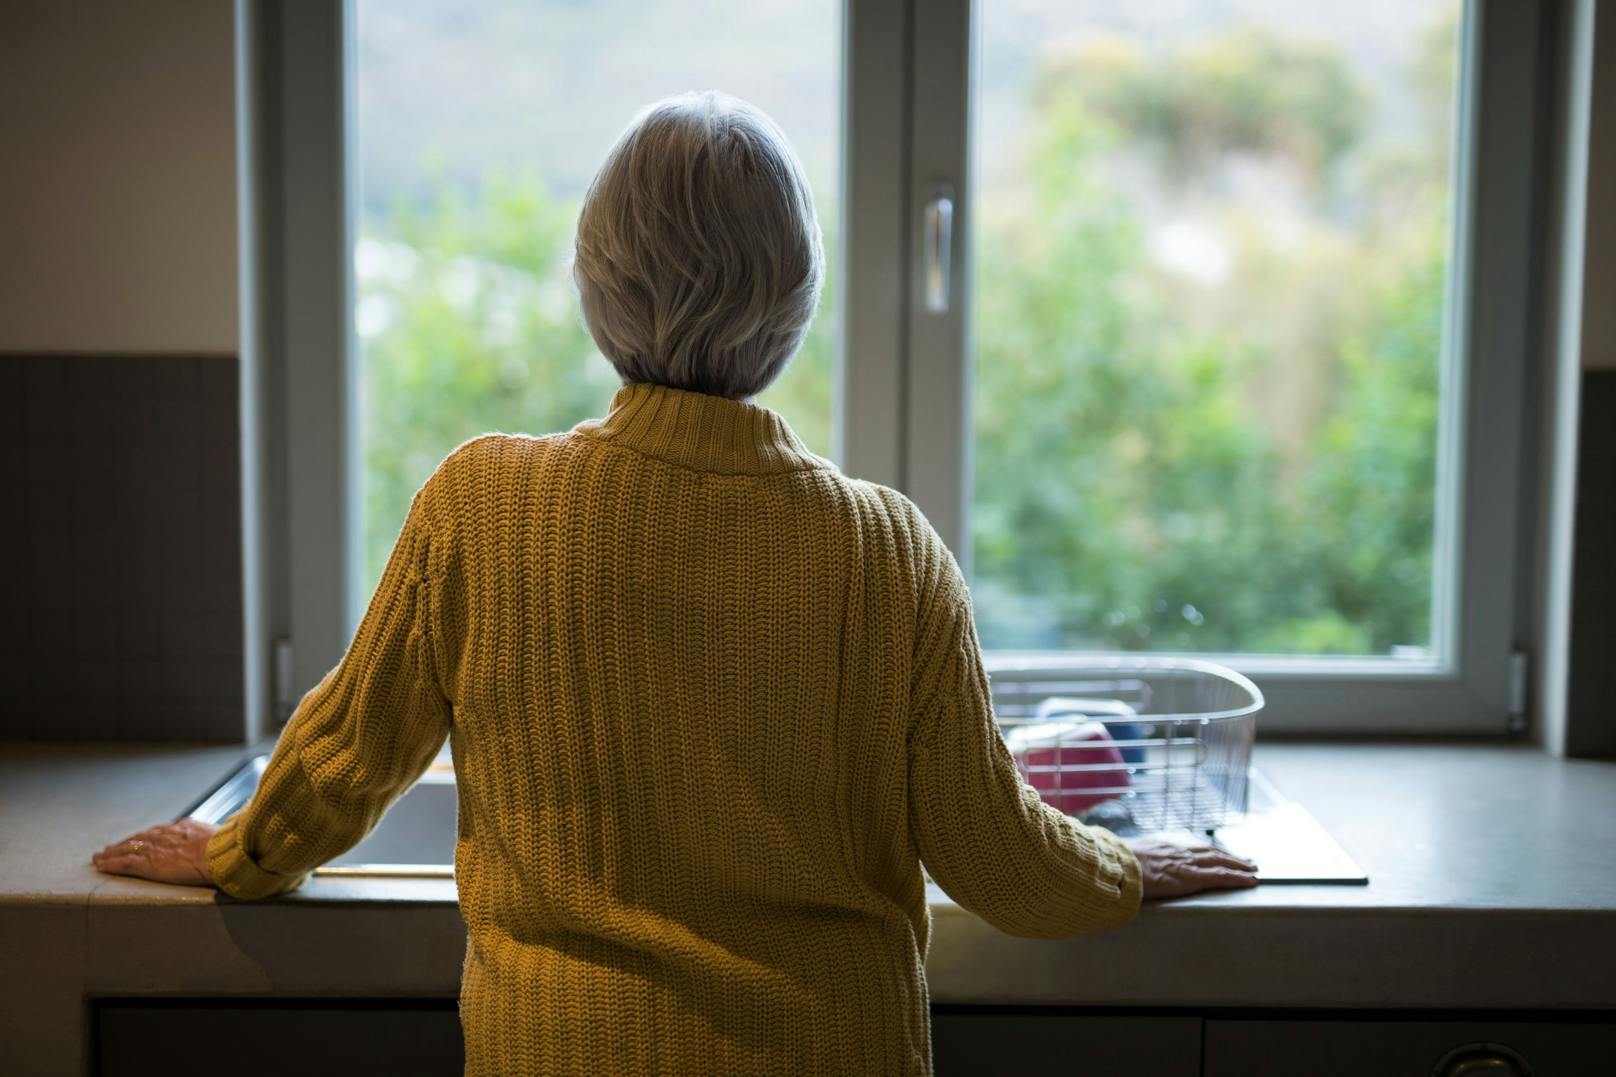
(702, 432)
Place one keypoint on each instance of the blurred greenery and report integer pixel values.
(469, 323)
(1164, 463)
(1247, 466)
(1244, 89)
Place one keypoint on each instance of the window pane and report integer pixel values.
(1211, 252)
(480, 125)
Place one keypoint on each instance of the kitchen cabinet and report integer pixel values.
(355, 1037)
(313, 1037)
(986, 1043)
(1409, 1043)
(276, 1037)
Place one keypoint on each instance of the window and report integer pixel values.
(466, 316)
(1164, 313)
(1211, 263)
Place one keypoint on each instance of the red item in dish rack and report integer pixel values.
(1040, 749)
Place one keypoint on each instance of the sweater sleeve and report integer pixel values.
(356, 742)
(983, 833)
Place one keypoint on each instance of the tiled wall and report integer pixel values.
(121, 540)
(1592, 673)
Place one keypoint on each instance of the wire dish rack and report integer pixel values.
(1137, 745)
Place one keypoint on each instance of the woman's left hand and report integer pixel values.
(169, 853)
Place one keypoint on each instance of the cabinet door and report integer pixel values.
(306, 1037)
(1411, 1046)
(983, 1043)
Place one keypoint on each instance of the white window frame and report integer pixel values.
(1473, 685)
(902, 384)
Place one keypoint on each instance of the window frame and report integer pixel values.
(1473, 686)
(902, 387)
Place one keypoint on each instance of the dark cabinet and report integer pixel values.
(982, 1043)
(277, 1037)
(356, 1037)
(1410, 1044)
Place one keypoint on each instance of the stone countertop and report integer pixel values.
(1492, 884)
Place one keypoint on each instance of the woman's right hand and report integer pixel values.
(1168, 870)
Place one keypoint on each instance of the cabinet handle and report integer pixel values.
(1482, 1060)
(938, 253)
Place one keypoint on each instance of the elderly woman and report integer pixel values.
(711, 703)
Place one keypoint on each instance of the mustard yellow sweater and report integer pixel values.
(711, 705)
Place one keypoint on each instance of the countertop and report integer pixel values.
(1492, 885)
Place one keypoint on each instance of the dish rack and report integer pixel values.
(1137, 745)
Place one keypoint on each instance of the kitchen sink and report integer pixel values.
(416, 838)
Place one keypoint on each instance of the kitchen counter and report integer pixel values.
(1492, 885)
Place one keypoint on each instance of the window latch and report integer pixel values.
(938, 252)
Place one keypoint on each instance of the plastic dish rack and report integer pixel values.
(1137, 745)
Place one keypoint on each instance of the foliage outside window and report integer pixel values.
(1180, 444)
(1209, 319)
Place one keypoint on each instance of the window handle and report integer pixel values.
(938, 252)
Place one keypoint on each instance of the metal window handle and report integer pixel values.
(939, 248)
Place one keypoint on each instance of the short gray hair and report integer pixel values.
(698, 257)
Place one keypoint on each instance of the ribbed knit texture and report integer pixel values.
(711, 704)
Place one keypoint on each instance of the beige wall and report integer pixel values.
(117, 176)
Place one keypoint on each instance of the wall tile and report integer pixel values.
(125, 621)
(1592, 666)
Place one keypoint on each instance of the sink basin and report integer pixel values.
(416, 838)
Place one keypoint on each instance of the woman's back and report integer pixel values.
(680, 655)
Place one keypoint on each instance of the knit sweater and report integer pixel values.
(711, 705)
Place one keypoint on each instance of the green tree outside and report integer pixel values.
(1159, 465)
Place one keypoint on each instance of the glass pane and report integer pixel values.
(1211, 253)
(480, 125)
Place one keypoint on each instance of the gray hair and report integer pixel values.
(698, 257)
